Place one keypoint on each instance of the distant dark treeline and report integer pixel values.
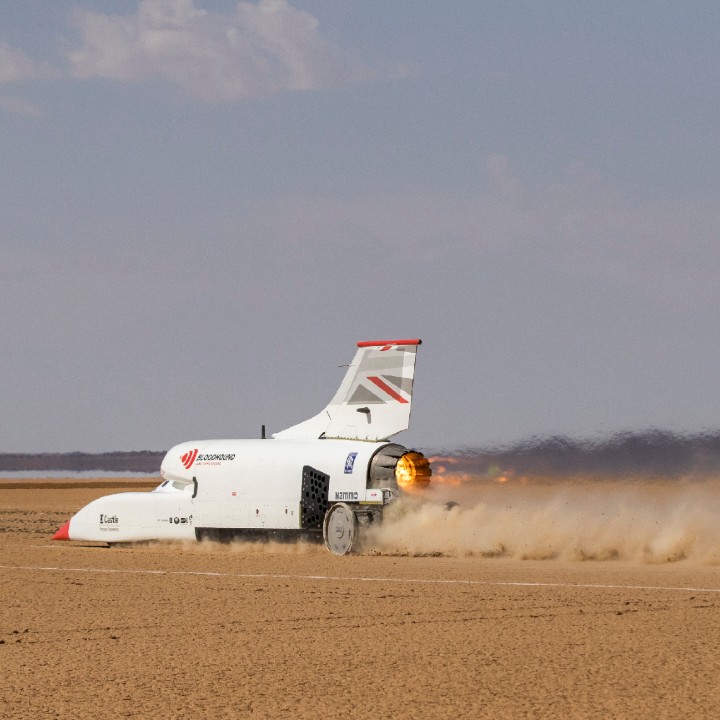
(653, 452)
(141, 461)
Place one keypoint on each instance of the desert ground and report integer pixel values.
(270, 630)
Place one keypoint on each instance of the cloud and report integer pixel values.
(259, 50)
(16, 66)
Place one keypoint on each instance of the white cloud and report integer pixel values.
(16, 66)
(259, 50)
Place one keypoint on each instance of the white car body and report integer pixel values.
(292, 483)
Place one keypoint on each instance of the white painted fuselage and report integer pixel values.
(232, 484)
(326, 474)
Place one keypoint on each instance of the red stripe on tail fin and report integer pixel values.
(386, 388)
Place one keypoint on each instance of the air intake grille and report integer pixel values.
(314, 502)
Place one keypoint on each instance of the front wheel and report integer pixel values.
(340, 529)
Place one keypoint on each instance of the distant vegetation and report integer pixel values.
(654, 452)
(141, 461)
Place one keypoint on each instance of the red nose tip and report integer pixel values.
(63, 533)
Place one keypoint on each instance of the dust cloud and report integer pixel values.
(634, 519)
(250, 546)
(650, 496)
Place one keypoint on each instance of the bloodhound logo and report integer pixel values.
(189, 458)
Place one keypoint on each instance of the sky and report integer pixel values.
(204, 204)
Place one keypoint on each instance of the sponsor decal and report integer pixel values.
(346, 495)
(193, 456)
(180, 520)
(350, 462)
(109, 523)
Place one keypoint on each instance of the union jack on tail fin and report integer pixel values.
(374, 399)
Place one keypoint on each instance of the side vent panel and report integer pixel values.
(314, 502)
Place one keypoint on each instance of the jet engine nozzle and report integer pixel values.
(396, 467)
(413, 471)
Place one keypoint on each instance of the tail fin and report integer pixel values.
(374, 399)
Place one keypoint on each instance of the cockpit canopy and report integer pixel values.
(174, 486)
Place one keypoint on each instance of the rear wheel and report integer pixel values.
(340, 529)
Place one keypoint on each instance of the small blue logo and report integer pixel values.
(350, 462)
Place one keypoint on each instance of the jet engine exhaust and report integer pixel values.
(402, 469)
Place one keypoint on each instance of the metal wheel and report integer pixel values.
(339, 529)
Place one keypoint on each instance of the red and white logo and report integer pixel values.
(189, 458)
